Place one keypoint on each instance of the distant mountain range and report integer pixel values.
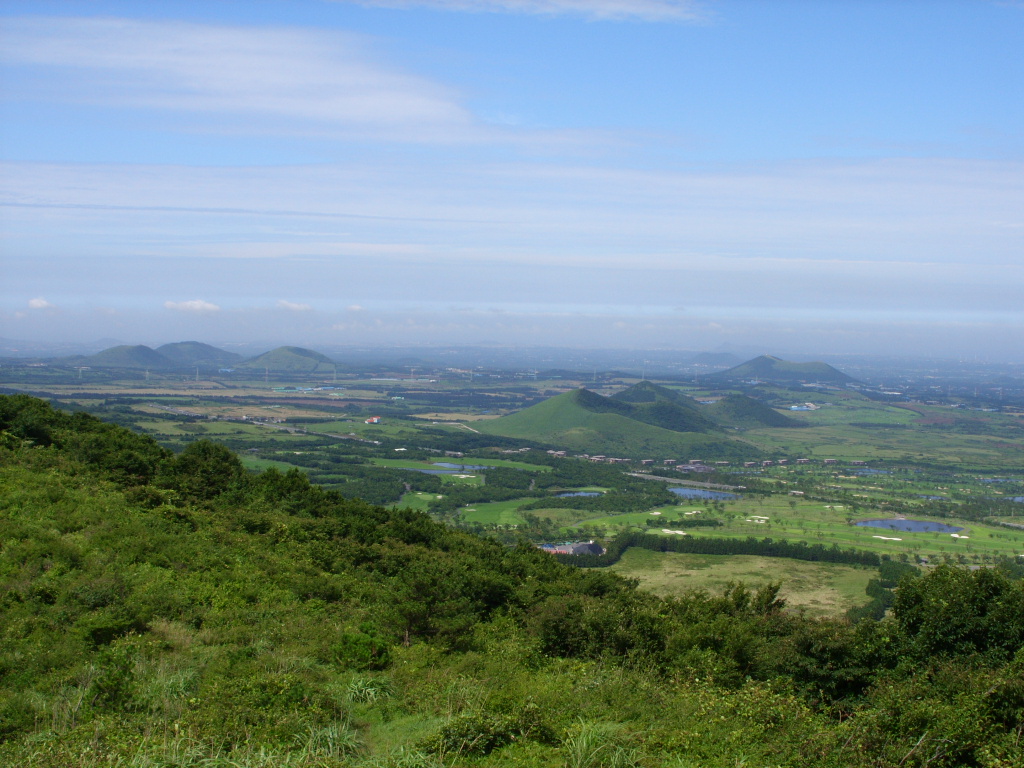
(659, 407)
(643, 421)
(193, 354)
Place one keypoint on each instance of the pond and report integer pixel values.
(699, 493)
(449, 465)
(435, 471)
(910, 526)
(578, 493)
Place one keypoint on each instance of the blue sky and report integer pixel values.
(812, 177)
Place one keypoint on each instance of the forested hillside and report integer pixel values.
(177, 610)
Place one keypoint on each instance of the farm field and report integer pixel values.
(913, 460)
(820, 589)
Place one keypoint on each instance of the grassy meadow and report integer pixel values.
(819, 589)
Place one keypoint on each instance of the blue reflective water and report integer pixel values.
(910, 526)
(578, 493)
(435, 471)
(932, 498)
(449, 465)
(698, 493)
(869, 471)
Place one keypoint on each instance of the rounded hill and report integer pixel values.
(291, 360)
(774, 369)
(581, 420)
(189, 353)
(128, 356)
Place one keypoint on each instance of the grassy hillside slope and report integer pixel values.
(743, 411)
(178, 611)
(573, 421)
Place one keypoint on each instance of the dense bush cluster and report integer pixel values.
(177, 610)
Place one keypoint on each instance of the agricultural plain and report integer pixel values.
(556, 459)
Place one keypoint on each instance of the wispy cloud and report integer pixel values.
(195, 305)
(292, 80)
(911, 211)
(39, 303)
(644, 10)
(291, 306)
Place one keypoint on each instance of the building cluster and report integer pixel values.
(573, 548)
(304, 389)
(690, 465)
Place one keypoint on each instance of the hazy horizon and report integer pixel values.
(793, 178)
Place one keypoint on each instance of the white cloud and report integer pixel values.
(354, 308)
(293, 307)
(195, 305)
(39, 303)
(645, 10)
(293, 80)
(867, 235)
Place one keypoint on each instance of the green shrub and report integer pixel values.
(480, 733)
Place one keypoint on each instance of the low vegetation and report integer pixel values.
(163, 609)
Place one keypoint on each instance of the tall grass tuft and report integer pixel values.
(333, 741)
(594, 745)
(404, 757)
(369, 690)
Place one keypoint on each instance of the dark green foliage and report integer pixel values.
(363, 650)
(957, 612)
(204, 470)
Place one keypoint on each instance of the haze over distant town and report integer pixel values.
(841, 178)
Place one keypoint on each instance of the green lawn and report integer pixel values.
(817, 523)
(495, 512)
(417, 500)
